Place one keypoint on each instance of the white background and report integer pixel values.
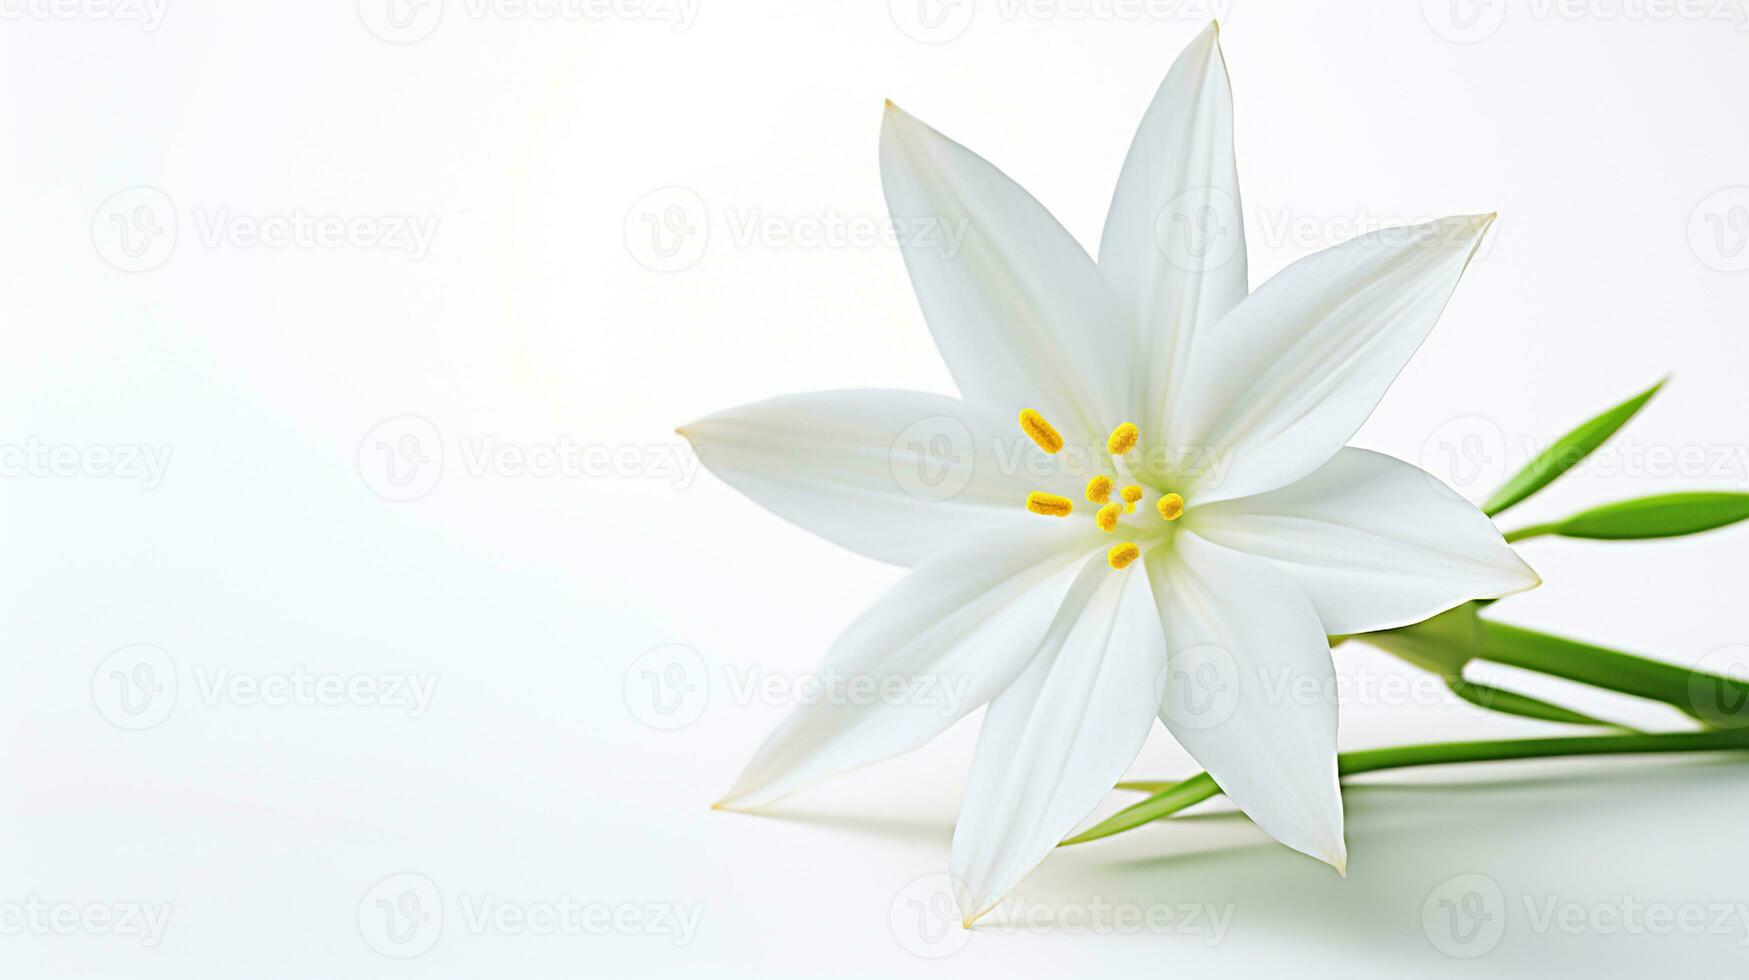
(1610, 137)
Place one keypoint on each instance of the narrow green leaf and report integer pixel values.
(1187, 793)
(1146, 787)
(1566, 451)
(1523, 705)
(1715, 699)
(1200, 787)
(1669, 515)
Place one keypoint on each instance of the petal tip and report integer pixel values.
(1337, 857)
(1474, 223)
(736, 801)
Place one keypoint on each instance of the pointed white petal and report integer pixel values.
(950, 636)
(1021, 313)
(1055, 742)
(1280, 383)
(1374, 542)
(1250, 690)
(895, 475)
(1174, 240)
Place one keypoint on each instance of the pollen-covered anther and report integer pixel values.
(1123, 439)
(1049, 504)
(1131, 494)
(1040, 431)
(1171, 506)
(1099, 489)
(1122, 554)
(1108, 515)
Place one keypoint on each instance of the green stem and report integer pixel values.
(1533, 531)
(1512, 703)
(1709, 697)
(1201, 787)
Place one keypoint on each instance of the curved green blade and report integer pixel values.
(1201, 787)
(1565, 453)
(1669, 515)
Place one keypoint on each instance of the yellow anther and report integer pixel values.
(1122, 554)
(1099, 489)
(1131, 494)
(1040, 431)
(1171, 506)
(1123, 439)
(1049, 504)
(1107, 516)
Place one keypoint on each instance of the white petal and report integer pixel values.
(1250, 690)
(1021, 313)
(951, 634)
(895, 475)
(1174, 240)
(1374, 542)
(1282, 382)
(1055, 742)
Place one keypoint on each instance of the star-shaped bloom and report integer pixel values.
(1142, 507)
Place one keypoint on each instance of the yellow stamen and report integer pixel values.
(1040, 431)
(1171, 506)
(1099, 489)
(1049, 504)
(1131, 494)
(1123, 439)
(1122, 554)
(1107, 516)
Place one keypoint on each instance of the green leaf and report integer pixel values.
(1165, 803)
(1523, 705)
(1201, 787)
(1147, 787)
(1715, 699)
(1669, 515)
(1566, 451)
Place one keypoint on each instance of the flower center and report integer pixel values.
(1123, 440)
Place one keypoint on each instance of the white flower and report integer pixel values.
(1202, 424)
